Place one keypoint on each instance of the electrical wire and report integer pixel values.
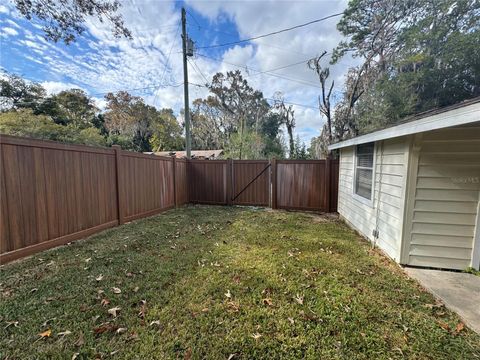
(272, 33)
(166, 63)
(271, 99)
(197, 70)
(264, 72)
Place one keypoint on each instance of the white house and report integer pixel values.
(413, 189)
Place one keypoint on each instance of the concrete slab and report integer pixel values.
(460, 292)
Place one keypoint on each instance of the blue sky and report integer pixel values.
(150, 65)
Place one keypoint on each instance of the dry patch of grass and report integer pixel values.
(231, 283)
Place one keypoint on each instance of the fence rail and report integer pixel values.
(53, 193)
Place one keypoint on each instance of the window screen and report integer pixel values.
(364, 170)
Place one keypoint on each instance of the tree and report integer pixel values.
(25, 123)
(136, 126)
(71, 107)
(64, 20)
(300, 152)
(127, 116)
(287, 115)
(237, 118)
(16, 93)
(417, 55)
(324, 102)
(246, 146)
(166, 132)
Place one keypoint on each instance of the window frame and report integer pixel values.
(358, 197)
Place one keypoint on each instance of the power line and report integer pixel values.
(235, 35)
(272, 33)
(197, 70)
(166, 63)
(141, 88)
(271, 99)
(264, 72)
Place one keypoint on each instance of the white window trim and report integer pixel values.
(357, 197)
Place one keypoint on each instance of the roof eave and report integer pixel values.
(458, 116)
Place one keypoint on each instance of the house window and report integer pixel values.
(364, 170)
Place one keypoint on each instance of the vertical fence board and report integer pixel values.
(5, 244)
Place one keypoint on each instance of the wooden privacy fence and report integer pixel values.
(284, 184)
(53, 193)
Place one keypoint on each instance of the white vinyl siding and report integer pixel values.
(388, 195)
(445, 199)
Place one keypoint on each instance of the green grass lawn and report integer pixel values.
(223, 283)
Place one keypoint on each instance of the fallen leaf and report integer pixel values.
(104, 328)
(231, 356)
(155, 322)
(205, 310)
(291, 320)
(233, 306)
(99, 277)
(268, 302)
(143, 309)
(116, 290)
(88, 260)
(45, 334)
(460, 326)
(64, 333)
(299, 299)
(121, 330)
(228, 294)
(75, 355)
(136, 289)
(113, 311)
(105, 302)
(80, 341)
(11, 323)
(188, 354)
(444, 325)
(256, 336)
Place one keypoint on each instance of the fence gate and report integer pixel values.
(250, 182)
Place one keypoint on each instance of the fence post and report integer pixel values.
(118, 168)
(328, 183)
(274, 182)
(174, 162)
(230, 180)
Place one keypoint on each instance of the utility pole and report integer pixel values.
(185, 84)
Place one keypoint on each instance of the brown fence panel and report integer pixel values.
(251, 182)
(304, 185)
(207, 180)
(53, 193)
(334, 170)
(147, 184)
(181, 185)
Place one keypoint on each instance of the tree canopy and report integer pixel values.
(72, 116)
(415, 55)
(65, 20)
(238, 119)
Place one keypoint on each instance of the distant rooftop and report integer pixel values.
(196, 154)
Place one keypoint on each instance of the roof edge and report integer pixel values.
(455, 115)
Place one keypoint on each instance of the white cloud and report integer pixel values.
(104, 63)
(54, 87)
(8, 31)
